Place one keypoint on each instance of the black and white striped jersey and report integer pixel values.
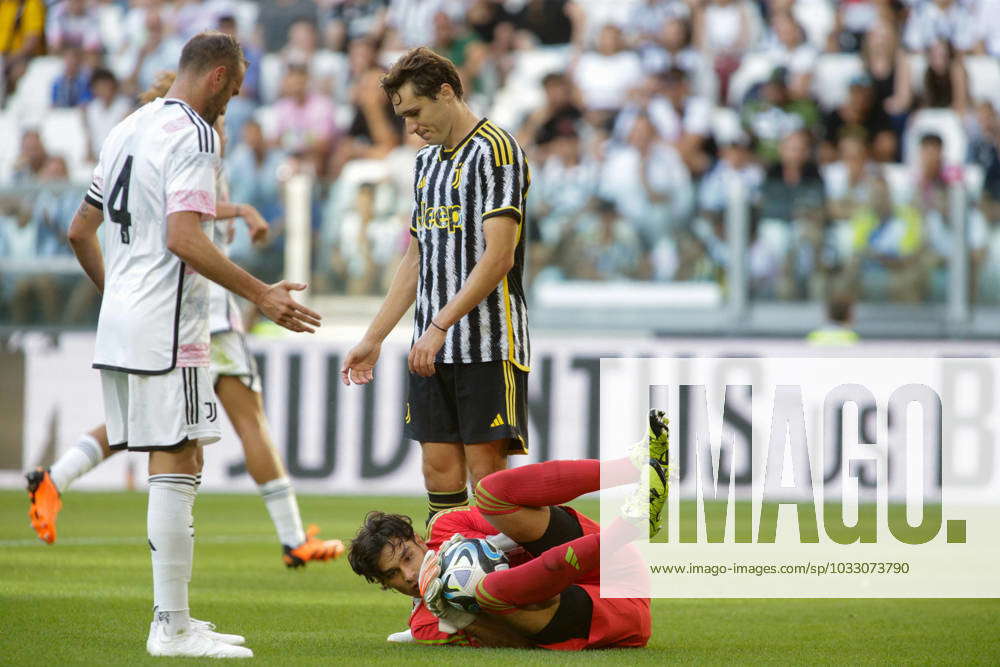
(455, 192)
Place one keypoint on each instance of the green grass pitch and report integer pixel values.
(86, 600)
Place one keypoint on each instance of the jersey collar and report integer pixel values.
(449, 153)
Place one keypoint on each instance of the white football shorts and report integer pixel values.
(159, 412)
(230, 356)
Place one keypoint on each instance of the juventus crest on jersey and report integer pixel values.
(455, 191)
(161, 159)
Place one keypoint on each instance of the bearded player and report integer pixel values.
(550, 596)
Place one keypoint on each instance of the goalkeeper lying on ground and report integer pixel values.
(550, 596)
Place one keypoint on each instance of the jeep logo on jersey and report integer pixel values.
(440, 217)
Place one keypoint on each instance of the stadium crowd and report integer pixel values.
(847, 128)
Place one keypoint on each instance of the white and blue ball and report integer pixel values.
(463, 566)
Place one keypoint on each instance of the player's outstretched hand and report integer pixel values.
(278, 305)
(359, 366)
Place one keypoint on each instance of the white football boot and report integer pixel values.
(207, 628)
(190, 644)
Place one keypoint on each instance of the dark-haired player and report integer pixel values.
(469, 362)
(550, 597)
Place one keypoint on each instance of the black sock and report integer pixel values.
(438, 501)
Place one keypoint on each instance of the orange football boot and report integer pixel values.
(312, 549)
(45, 504)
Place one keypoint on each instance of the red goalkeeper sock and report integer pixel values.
(539, 579)
(537, 485)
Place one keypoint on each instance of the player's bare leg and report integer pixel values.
(46, 486)
(246, 412)
(484, 458)
(443, 465)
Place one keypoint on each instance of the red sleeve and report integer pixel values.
(424, 626)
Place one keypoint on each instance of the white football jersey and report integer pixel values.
(162, 159)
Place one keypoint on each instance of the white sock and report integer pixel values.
(281, 504)
(76, 461)
(170, 526)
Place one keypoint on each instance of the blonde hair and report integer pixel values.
(159, 88)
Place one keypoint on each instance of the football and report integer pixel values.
(463, 566)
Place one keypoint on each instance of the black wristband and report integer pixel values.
(434, 324)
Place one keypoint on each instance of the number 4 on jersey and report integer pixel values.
(118, 208)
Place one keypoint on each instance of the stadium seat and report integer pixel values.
(832, 78)
(268, 119)
(63, 134)
(943, 122)
(34, 91)
(754, 69)
(726, 124)
(984, 79)
(816, 18)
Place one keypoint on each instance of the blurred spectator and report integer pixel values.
(681, 118)
(770, 114)
(552, 22)
(365, 247)
(104, 111)
(54, 207)
(601, 244)
(859, 116)
(647, 180)
(946, 83)
(838, 330)
(460, 45)
(723, 31)
(786, 46)
(558, 115)
(648, 19)
(786, 250)
(888, 241)
(889, 68)
(563, 183)
(850, 188)
(375, 131)
(343, 21)
(277, 17)
(159, 53)
(304, 124)
(72, 87)
(411, 22)
(672, 48)
(487, 17)
(735, 163)
(251, 78)
(988, 23)
(325, 67)
(31, 160)
(22, 37)
(253, 172)
(72, 24)
(605, 76)
(21, 240)
(854, 19)
(950, 21)
(984, 150)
